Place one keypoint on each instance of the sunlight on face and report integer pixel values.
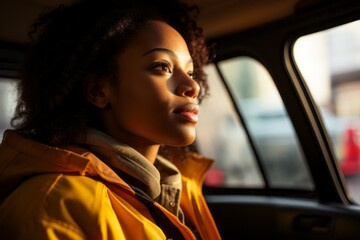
(154, 101)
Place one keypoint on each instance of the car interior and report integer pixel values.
(282, 121)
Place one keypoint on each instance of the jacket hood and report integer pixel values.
(21, 158)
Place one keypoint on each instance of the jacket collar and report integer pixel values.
(21, 158)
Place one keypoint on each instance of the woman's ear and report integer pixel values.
(95, 91)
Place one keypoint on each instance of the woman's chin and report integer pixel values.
(182, 141)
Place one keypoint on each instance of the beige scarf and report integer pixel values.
(162, 180)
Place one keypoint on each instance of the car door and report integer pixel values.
(279, 126)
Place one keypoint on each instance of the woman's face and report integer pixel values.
(155, 98)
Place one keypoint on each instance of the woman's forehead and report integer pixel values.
(159, 35)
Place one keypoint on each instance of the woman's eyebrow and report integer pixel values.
(168, 51)
(165, 50)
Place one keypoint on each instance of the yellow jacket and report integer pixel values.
(68, 193)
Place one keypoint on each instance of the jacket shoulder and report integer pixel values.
(65, 204)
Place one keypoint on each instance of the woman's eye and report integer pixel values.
(163, 67)
(191, 74)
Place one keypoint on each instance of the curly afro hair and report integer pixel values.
(72, 42)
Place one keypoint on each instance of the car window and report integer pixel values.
(7, 103)
(221, 137)
(329, 62)
(261, 146)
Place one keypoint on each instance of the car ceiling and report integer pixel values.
(217, 17)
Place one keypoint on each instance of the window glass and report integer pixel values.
(221, 137)
(268, 125)
(329, 62)
(7, 103)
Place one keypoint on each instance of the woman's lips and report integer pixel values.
(188, 112)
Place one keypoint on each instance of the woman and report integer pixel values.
(106, 84)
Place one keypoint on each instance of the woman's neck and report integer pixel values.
(150, 152)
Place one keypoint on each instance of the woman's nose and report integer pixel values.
(188, 87)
